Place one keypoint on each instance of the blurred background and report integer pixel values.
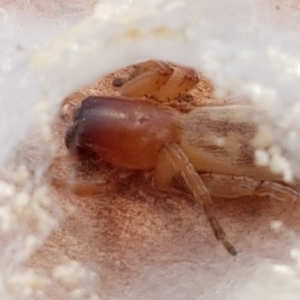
(49, 49)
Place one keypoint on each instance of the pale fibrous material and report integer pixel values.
(250, 51)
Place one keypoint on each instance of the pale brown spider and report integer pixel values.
(211, 147)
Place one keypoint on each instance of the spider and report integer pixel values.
(210, 147)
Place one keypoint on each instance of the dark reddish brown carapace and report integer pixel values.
(125, 133)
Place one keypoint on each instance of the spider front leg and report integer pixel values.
(79, 187)
(181, 163)
(237, 186)
(158, 80)
(84, 188)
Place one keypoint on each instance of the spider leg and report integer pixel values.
(157, 79)
(196, 185)
(182, 80)
(164, 171)
(277, 191)
(237, 186)
(147, 78)
(77, 186)
(83, 188)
